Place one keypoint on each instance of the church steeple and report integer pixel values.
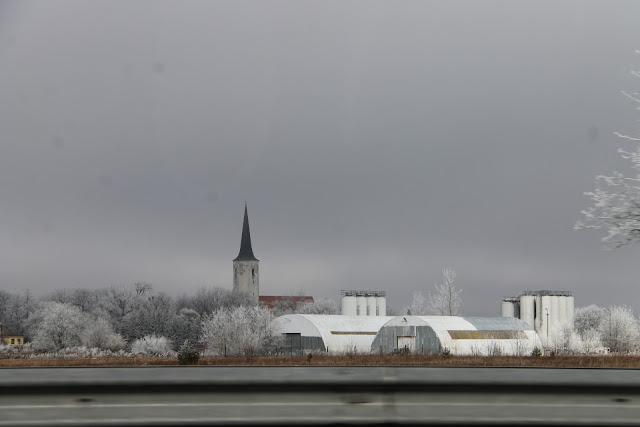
(246, 271)
(246, 253)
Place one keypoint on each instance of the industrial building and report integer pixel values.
(387, 334)
(329, 333)
(543, 310)
(459, 335)
(364, 303)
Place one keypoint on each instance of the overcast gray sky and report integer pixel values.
(375, 142)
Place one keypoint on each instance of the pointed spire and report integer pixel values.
(246, 253)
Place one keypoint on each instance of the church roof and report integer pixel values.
(271, 300)
(246, 253)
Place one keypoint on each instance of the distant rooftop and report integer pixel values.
(271, 300)
(352, 293)
(547, 293)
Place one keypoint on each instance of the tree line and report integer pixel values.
(137, 319)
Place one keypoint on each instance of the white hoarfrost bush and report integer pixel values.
(152, 345)
(245, 331)
(100, 334)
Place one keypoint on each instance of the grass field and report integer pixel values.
(609, 361)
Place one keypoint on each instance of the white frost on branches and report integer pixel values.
(620, 330)
(419, 305)
(55, 326)
(616, 199)
(241, 331)
(152, 345)
(446, 300)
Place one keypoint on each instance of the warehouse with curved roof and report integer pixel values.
(329, 333)
(459, 335)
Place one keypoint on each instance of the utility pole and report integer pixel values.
(547, 310)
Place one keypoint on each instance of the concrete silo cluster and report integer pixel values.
(542, 310)
(364, 303)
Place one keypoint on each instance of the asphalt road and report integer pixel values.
(318, 395)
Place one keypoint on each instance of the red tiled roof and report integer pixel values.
(270, 300)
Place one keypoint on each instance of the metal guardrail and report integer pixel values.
(318, 395)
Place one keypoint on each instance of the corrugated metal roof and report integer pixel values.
(498, 323)
(340, 334)
(476, 335)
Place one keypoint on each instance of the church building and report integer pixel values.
(246, 275)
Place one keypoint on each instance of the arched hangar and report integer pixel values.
(460, 335)
(329, 333)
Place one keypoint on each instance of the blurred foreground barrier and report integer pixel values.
(318, 396)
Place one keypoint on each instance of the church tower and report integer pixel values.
(245, 266)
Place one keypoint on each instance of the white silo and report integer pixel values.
(555, 310)
(570, 308)
(527, 309)
(349, 305)
(371, 305)
(508, 309)
(562, 310)
(545, 317)
(381, 302)
(361, 305)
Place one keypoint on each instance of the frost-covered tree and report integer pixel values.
(56, 326)
(99, 333)
(620, 331)
(152, 345)
(120, 301)
(588, 319)
(319, 306)
(247, 331)
(17, 310)
(446, 299)
(185, 326)
(208, 300)
(85, 299)
(418, 306)
(151, 317)
(616, 199)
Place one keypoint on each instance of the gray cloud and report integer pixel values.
(375, 142)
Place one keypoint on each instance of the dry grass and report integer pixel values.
(610, 361)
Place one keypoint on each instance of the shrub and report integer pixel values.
(152, 345)
(188, 355)
(446, 352)
(536, 352)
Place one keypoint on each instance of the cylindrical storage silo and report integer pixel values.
(562, 310)
(527, 309)
(382, 306)
(349, 305)
(555, 308)
(371, 305)
(361, 307)
(507, 309)
(570, 308)
(545, 318)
